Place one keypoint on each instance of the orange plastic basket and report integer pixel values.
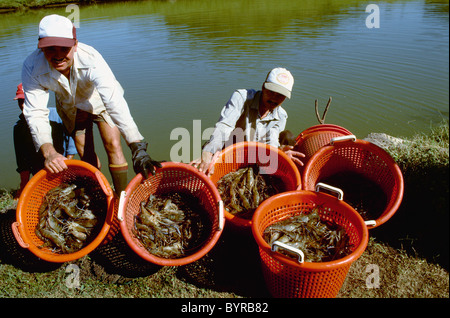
(324, 127)
(364, 158)
(172, 177)
(286, 277)
(315, 137)
(270, 159)
(27, 214)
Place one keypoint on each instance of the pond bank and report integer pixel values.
(411, 251)
(420, 226)
(7, 6)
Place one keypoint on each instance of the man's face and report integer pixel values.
(60, 57)
(271, 99)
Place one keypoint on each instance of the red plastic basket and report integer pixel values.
(364, 158)
(27, 214)
(288, 278)
(172, 177)
(315, 137)
(270, 159)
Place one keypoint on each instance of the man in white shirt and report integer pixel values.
(86, 91)
(251, 115)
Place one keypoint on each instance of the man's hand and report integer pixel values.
(294, 155)
(203, 164)
(54, 161)
(142, 163)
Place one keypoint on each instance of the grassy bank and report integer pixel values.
(17, 5)
(410, 251)
(421, 225)
(24, 5)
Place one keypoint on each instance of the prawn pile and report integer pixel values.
(244, 189)
(171, 225)
(66, 218)
(319, 240)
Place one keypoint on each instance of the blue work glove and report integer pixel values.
(142, 163)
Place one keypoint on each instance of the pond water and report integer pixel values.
(179, 62)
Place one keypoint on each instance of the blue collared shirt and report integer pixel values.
(68, 142)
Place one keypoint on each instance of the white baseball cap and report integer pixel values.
(280, 80)
(56, 30)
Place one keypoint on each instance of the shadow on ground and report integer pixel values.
(12, 253)
(233, 265)
(421, 224)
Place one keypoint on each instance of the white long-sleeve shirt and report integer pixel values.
(240, 119)
(92, 88)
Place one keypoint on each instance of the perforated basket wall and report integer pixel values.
(27, 214)
(286, 277)
(270, 159)
(172, 177)
(364, 158)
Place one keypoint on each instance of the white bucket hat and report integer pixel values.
(280, 80)
(56, 30)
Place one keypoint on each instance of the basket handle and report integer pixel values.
(221, 216)
(15, 230)
(277, 244)
(123, 194)
(339, 192)
(343, 138)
